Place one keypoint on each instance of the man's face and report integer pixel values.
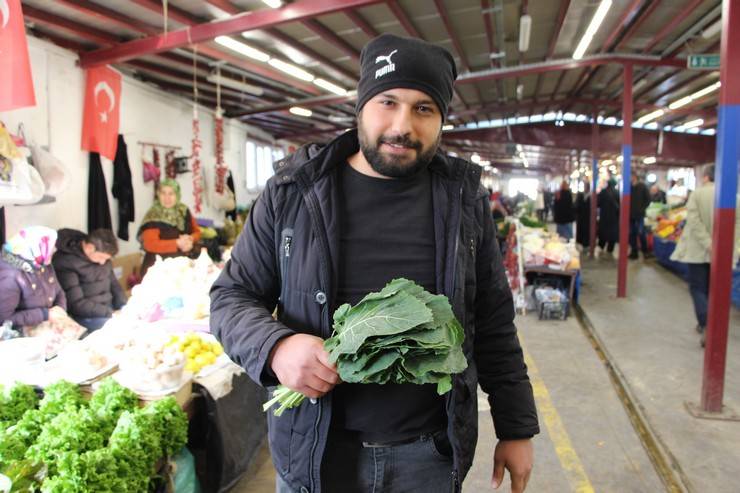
(93, 255)
(399, 131)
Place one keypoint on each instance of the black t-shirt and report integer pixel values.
(386, 232)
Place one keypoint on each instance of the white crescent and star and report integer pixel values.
(5, 11)
(104, 87)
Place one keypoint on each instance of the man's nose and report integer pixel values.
(402, 123)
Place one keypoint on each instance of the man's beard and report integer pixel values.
(395, 166)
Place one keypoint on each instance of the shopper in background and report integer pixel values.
(583, 217)
(677, 193)
(695, 245)
(608, 229)
(83, 267)
(168, 228)
(539, 205)
(639, 201)
(563, 211)
(657, 195)
(341, 220)
(30, 291)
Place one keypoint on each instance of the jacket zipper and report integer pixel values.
(285, 261)
(314, 212)
(455, 481)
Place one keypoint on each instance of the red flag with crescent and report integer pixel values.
(16, 83)
(102, 108)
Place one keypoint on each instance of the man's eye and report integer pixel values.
(425, 109)
(387, 102)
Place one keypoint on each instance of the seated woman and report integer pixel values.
(30, 291)
(168, 228)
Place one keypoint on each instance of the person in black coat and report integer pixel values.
(83, 267)
(563, 211)
(608, 229)
(583, 218)
(639, 201)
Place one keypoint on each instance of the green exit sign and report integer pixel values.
(703, 62)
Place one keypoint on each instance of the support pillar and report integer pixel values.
(624, 203)
(594, 183)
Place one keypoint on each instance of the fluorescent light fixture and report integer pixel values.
(242, 48)
(693, 123)
(592, 28)
(525, 32)
(297, 110)
(325, 84)
(650, 160)
(475, 158)
(606, 162)
(447, 127)
(235, 84)
(652, 178)
(273, 4)
(289, 69)
(650, 116)
(620, 158)
(519, 148)
(691, 97)
(484, 163)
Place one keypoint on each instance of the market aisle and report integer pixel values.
(586, 444)
(651, 339)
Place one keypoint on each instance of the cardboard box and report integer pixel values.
(124, 265)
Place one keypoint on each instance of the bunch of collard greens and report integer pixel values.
(402, 334)
(106, 444)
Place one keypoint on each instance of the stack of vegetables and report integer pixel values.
(402, 334)
(670, 225)
(63, 443)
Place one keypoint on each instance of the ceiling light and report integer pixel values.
(525, 31)
(274, 4)
(620, 158)
(652, 178)
(325, 84)
(291, 69)
(475, 158)
(242, 49)
(693, 123)
(650, 160)
(447, 127)
(691, 97)
(297, 110)
(592, 28)
(606, 162)
(235, 84)
(650, 116)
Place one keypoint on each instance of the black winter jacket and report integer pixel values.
(92, 289)
(286, 257)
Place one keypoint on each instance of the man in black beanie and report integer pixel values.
(341, 220)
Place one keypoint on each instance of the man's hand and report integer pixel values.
(301, 363)
(518, 457)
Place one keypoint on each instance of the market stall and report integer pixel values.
(157, 349)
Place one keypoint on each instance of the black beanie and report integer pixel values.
(389, 62)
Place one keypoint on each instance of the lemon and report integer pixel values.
(217, 349)
(201, 360)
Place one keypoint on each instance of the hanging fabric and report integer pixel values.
(219, 126)
(123, 189)
(170, 167)
(98, 210)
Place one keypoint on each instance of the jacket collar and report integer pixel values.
(316, 160)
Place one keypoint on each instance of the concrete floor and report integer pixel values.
(587, 442)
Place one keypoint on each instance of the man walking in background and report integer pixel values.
(639, 201)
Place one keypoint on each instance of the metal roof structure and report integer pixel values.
(306, 54)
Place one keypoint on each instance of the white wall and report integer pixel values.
(147, 114)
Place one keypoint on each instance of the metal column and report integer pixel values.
(594, 183)
(624, 203)
(723, 235)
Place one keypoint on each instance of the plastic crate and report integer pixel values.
(548, 308)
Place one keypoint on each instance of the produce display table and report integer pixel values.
(663, 250)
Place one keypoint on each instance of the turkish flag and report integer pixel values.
(102, 104)
(16, 83)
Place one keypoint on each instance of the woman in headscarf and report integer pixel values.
(30, 291)
(168, 228)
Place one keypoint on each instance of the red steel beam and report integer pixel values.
(403, 18)
(60, 41)
(301, 48)
(624, 203)
(672, 25)
(594, 183)
(81, 30)
(487, 21)
(627, 16)
(564, 4)
(362, 24)
(105, 14)
(199, 33)
(177, 15)
(226, 6)
(638, 23)
(327, 35)
(724, 214)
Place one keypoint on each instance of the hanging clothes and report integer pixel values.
(123, 189)
(98, 210)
